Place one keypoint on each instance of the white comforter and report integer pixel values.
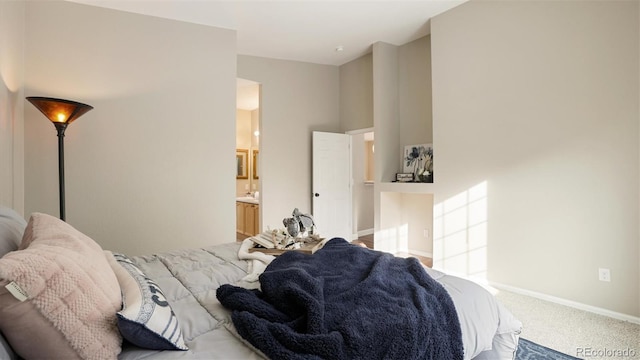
(189, 279)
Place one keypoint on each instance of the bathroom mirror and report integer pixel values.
(242, 157)
(254, 162)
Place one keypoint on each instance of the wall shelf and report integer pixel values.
(422, 188)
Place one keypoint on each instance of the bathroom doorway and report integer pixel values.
(248, 172)
(362, 170)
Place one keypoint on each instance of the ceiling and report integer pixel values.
(301, 30)
(330, 32)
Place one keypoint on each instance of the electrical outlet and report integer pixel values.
(426, 233)
(604, 275)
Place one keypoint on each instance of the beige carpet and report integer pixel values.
(574, 332)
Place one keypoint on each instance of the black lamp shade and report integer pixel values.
(59, 110)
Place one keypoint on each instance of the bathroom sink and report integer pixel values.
(248, 199)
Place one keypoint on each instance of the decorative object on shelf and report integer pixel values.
(404, 177)
(418, 160)
(242, 157)
(61, 113)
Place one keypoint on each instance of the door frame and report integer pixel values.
(357, 233)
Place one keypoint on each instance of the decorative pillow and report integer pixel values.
(146, 319)
(59, 295)
(11, 228)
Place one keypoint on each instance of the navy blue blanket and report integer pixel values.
(346, 302)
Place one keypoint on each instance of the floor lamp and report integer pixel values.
(61, 113)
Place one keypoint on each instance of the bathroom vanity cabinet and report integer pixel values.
(247, 218)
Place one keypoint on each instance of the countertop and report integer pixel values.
(248, 199)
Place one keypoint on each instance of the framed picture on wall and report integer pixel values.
(418, 160)
(254, 162)
(242, 167)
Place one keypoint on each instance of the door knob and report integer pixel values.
(316, 194)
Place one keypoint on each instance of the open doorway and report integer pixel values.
(247, 158)
(362, 149)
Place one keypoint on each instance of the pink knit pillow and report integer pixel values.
(58, 295)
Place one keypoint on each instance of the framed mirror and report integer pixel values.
(254, 162)
(242, 167)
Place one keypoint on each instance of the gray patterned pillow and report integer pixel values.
(146, 319)
(11, 229)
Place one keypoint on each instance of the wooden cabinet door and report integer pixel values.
(256, 219)
(249, 220)
(240, 217)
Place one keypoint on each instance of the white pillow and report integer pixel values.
(480, 314)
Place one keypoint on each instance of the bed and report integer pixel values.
(63, 296)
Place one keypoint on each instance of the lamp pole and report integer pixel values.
(61, 127)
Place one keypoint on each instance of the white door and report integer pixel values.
(332, 184)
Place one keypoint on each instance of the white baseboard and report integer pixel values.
(569, 303)
(365, 232)
(361, 233)
(420, 253)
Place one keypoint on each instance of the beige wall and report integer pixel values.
(296, 99)
(255, 126)
(369, 152)
(152, 166)
(401, 102)
(401, 89)
(415, 209)
(356, 94)
(255, 145)
(243, 129)
(385, 112)
(540, 100)
(12, 15)
(414, 95)
(392, 86)
(402, 223)
(243, 141)
(356, 113)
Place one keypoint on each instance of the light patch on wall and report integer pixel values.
(403, 238)
(385, 240)
(460, 233)
(393, 239)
